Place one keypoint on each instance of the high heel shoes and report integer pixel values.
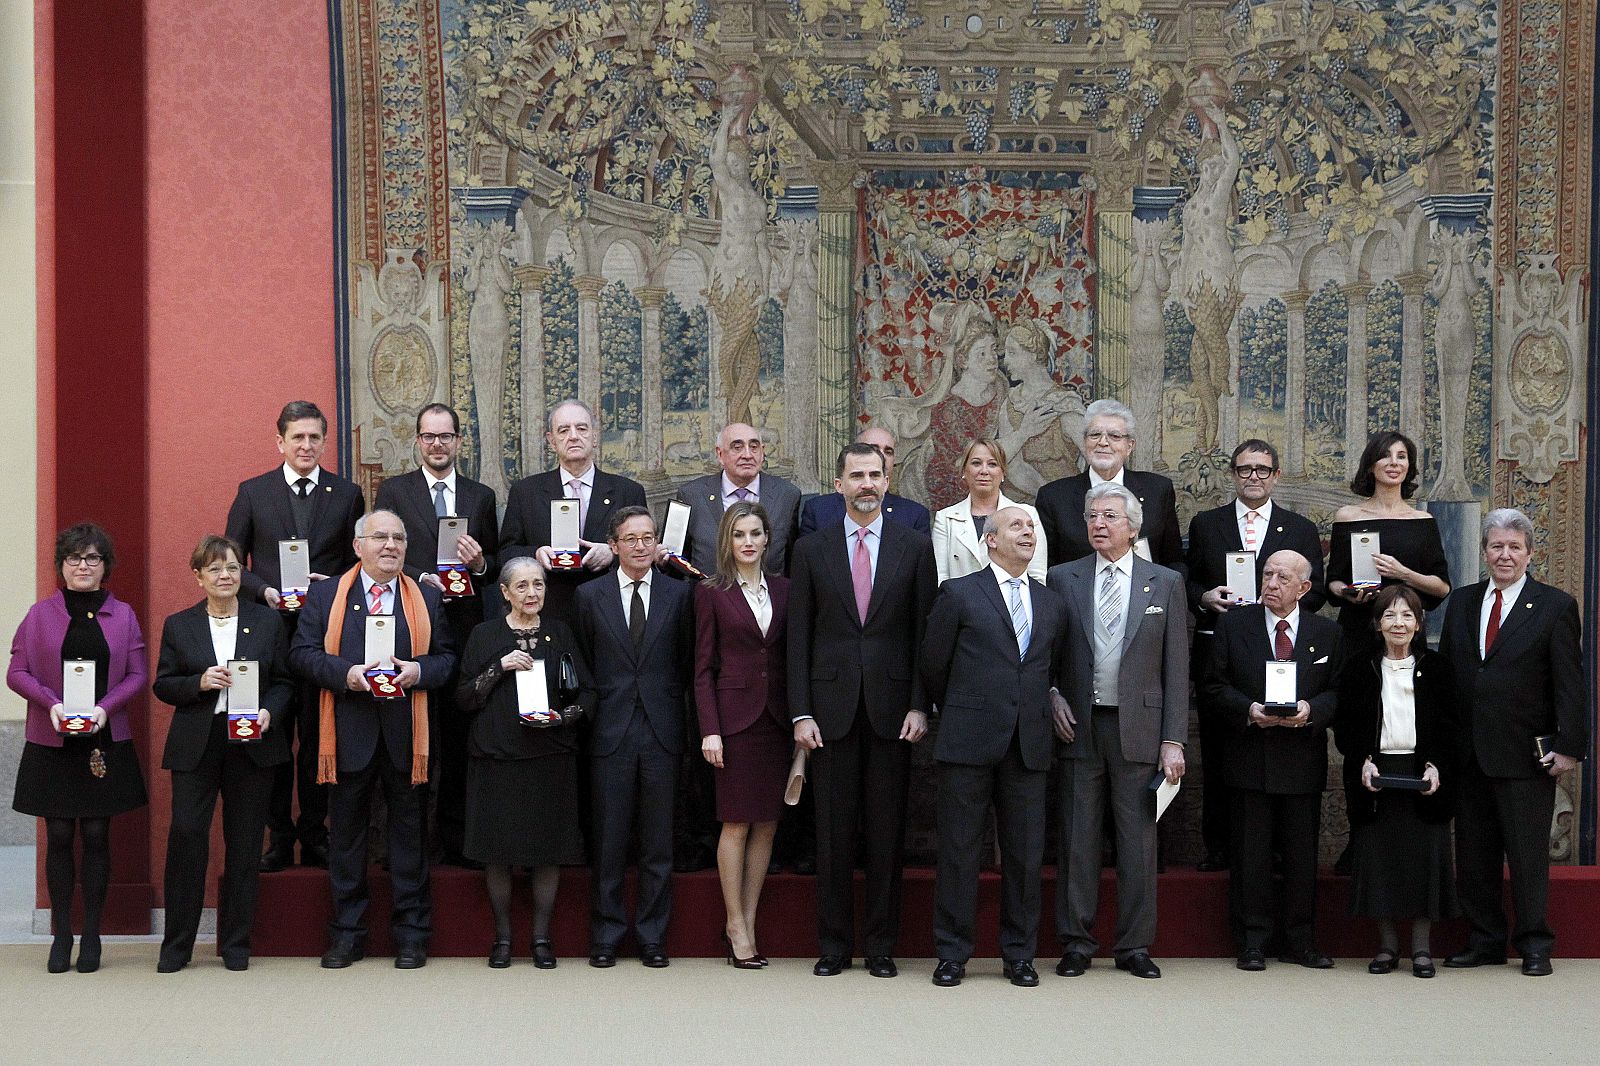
(754, 962)
(60, 954)
(88, 953)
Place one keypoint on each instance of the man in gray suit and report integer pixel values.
(741, 453)
(1125, 712)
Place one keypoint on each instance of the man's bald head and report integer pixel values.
(1285, 578)
(741, 452)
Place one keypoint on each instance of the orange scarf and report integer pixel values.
(415, 609)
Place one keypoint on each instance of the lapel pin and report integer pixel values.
(327, 488)
(1147, 588)
(1311, 651)
(91, 614)
(1529, 606)
(355, 607)
(605, 501)
(1280, 529)
(247, 629)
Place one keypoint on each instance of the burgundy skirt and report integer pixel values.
(755, 770)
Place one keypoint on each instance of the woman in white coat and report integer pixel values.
(958, 546)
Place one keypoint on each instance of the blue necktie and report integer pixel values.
(1019, 618)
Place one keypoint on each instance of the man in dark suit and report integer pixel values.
(741, 453)
(987, 658)
(1108, 441)
(638, 634)
(296, 501)
(859, 597)
(1252, 522)
(827, 508)
(525, 530)
(1277, 763)
(1123, 715)
(376, 742)
(1516, 648)
(433, 491)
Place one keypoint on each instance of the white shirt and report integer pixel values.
(224, 641)
(1095, 479)
(759, 597)
(1399, 734)
(449, 483)
(1263, 517)
(625, 583)
(874, 540)
(1508, 600)
(293, 476)
(729, 489)
(1293, 618)
(1005, 591)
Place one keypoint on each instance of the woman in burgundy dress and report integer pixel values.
(740, 691)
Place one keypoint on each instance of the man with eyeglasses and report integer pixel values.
(421, 498)
(741, 453)
(1108, 440)
(296, 501)
(637, 632)
(1252, 522)
(574, 437)
(368, 742)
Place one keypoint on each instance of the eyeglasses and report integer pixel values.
(84, 560)
(643, 540)
(1104, 516)
(231, 569)
(1259, 473)
(438, 438)
(1106, 435)
(385, 538)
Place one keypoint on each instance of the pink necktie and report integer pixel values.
(377, 599)
(1250, 530)
(861, 575)
(575, 487)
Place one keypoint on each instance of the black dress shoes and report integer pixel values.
(882, 966)
(1534, 965)
(1214, 861)
(60, 954)
(344, 951)
(544, 953)
(831, 965)
(948, 973)
(1020, 973)
(653, 956)
(1466, 960)
(1072, 964)
(314, 855)
(500, 955)
(1252, 960)
(166, 965)
(411, 957)
(88, 953)
(603, 956)
(1422, 965)
(1311, 959)
(1383, 962)
(236, 962)
(1140, 964)
(277, 857)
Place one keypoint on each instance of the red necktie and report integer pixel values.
(377, 599)
(861, 575)
(1283, 649)
(1494, 624)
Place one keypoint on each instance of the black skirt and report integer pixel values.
(58, 783)
(1401, 864)
(523, 812)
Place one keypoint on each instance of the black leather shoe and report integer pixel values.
(411, 957)
(603, 956)
(1311, 959)
(1383, 962)
(344, 951)
(236, 962)
(831, 965)
(653, 956)
(544, 953)
(1020, 973)
(1214, 861)
(1422, 965)
(1536, 966)
(277, 857)
(948, 973)
(1466, 960)
(88, 953)
(60, 954)
(166, 965)
(1252, 960)
(1072, 964)
(1140, 964)
(500, 955)
(314, 855)
(882, 966)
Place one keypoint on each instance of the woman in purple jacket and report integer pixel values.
(76, 782)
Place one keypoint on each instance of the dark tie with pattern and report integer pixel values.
(636, 618)
(300, 505)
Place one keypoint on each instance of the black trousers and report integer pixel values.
(1262, 821)
(1216, 801)
(350, 817)
(632, 788)
(448, 728)
(860, 785)
(300, 773)
(225, 769)
(965, 793)
(1504, 819)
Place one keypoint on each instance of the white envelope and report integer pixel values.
(245, 692)
(380, 640)
(533, 692)
(1166, 792)
(676, 529)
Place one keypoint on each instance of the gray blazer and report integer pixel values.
(704, 496)
(1153, 680)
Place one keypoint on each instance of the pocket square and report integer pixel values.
(1320, 661)
(1153, 609)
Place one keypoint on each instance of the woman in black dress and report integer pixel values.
(77, 782)
(522, 777)
(1397, 717)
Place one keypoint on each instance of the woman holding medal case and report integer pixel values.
(522, 773)
(76, 783)
(193, 673)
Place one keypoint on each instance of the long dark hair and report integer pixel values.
(1364, 484)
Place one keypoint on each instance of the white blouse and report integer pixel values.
(760, 601)
(224, 639)
(1399, 735)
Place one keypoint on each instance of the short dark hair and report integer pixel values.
(1398, 591)
(1254, 444)
(75, 540)
(440, 409)
(295, 410)
(1364, 484)
(213, 549)
(622, 514)
(857, 448)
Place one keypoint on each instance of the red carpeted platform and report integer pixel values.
(295, 906)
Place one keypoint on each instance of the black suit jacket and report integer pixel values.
(1214, 533)
(186, 653)
(835, 661)
(1531, 683)
(262, 515)
(984, 689)
(361, 719)
(1060, 506)
(827, 509)
(1361, 730)
(657, 676)
(526, 527)
(408, 496)
(1279, 760)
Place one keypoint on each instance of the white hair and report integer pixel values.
(1508, 518)
(361, 523)
(1110, 409)
(1130, 502)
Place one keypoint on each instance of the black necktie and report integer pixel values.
(636, 618)
(300, 503)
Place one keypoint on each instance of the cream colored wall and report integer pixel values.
(18, 512)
